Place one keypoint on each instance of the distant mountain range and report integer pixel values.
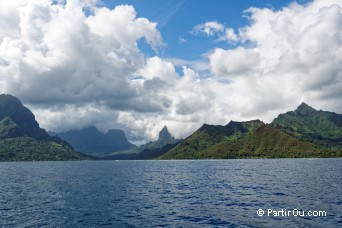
(114, 144)
(91, 141)
(304, 132)
(21, 138)
(149, 150)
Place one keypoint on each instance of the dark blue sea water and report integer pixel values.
(207, 193)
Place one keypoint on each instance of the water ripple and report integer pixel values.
(220, 193)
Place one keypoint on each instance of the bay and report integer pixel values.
(196, 193)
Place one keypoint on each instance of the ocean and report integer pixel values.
(186, 193)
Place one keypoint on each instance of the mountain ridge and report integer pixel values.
(210, 135)
(91, 141)
(305, 123)
(12, 109)
(304, 132)
(21, 138)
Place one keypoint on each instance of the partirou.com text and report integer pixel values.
(287, 213)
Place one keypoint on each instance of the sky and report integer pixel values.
(139, 65)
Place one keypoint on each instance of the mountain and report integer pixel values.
(307, 124)
(91, 141)
(149, 150)
(164, 138)
(21, 138)
(263, 142)
(210, 135)
(304, 132)
(17, 120)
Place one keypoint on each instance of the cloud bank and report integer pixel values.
(76, 63)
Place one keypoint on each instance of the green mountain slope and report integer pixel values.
(305, 132)
(17, 120)
(21, 138)
(209, 135)
(307, 124)
(267, 142)
(29, 149)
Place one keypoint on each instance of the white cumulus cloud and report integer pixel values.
(218, 30)
(292, 54)
(57, 54)
(76, 64)
(209, 28)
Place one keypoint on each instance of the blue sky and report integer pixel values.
(176, 19)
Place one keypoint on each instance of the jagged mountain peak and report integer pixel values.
(164, 134)
(305, 106)
(165, 137)
(164, 128)
(307, 124)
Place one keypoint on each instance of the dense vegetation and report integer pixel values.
(267, 142)
(210, 135)
(319, 127)
(302, 133)
(29, 149)
(21, 138)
